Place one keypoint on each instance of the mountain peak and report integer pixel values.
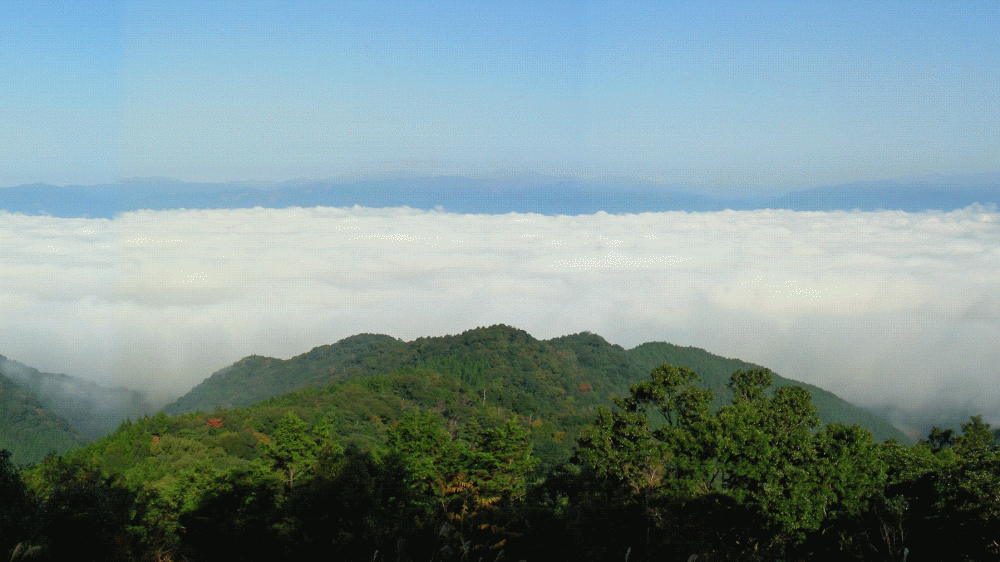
(498, 332)
(499, 362)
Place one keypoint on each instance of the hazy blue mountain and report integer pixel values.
(929, 193)
(534, 194)
(453, 194)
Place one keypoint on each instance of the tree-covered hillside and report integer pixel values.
(27, 429)
(255, 378)
(559, 381)
(411, 465)
(93, 410)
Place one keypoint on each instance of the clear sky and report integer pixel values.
(710, 95)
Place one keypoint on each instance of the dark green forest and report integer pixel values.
(562, 381)
(492, 445)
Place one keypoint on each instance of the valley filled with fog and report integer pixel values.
(881, 308)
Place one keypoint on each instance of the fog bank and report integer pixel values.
(878, 307)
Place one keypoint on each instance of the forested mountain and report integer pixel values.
(560, 381)
(494, 445)
(27, 428)
(92, 409)
(410, 465)
(481, 374)
(256, 378)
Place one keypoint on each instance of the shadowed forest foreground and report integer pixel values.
(662, 476)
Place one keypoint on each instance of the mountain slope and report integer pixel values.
(715, 372)
(27, 429)
(93, 410)
(562, 379)
(256, 378)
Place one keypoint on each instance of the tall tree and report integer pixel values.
(502, 459)
(293, 450)
(659, 445)
(674, 450)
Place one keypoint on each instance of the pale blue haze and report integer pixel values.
(709, 96)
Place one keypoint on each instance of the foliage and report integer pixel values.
(664, 475)
(758, 457)
(487, 374)
(29, 430)
(463, 450)
(16, 507)
(292, 450)
(469, 493)
(85, 514)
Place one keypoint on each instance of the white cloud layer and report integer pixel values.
(878, 307)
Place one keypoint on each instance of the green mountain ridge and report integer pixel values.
(562, 380)
(445, 448)
(484, 374)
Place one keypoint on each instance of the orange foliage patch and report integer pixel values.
(260, 437)
(214, 422)
(585, 387)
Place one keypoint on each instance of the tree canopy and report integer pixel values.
(431, 474)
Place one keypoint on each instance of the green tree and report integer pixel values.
(952, 495)
(89, 515)
(976, 439)
(673, 451)
(756, 472)
(427, 450)
(659, 445)
(17, 508)
(357, 504)
(294, 450)
(468, 495)
(502, 459)
(767, 456)
(236, 515)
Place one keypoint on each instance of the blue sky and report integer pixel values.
(707, 96)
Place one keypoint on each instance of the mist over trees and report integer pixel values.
(92, 410)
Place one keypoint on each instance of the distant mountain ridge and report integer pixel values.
(547, 196)
(568, 377)
(932, 193)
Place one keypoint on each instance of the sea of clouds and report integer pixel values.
(884, 307)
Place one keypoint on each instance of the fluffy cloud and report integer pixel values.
(879, 307)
